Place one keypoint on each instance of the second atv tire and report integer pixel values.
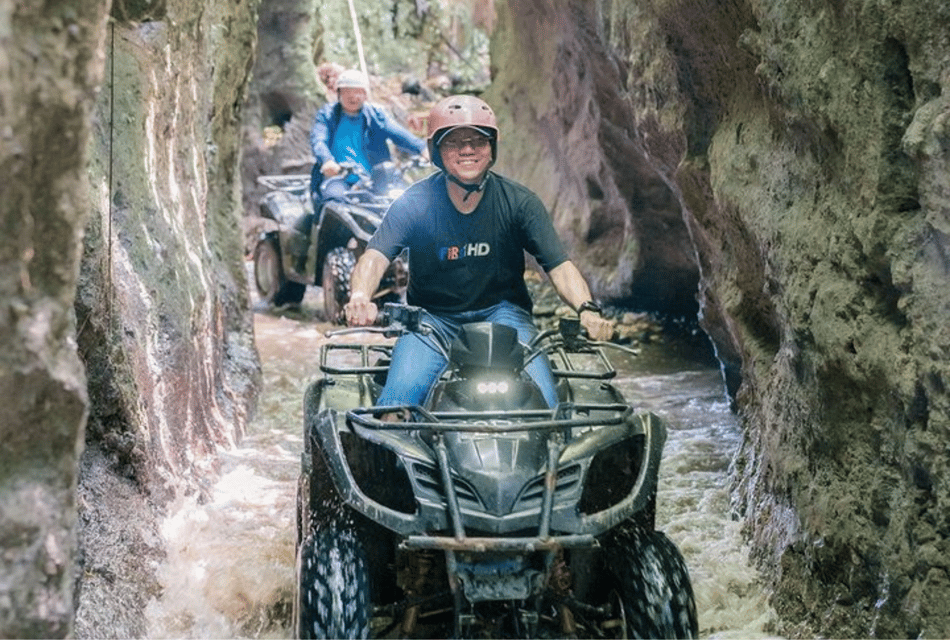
(272, 285)
(337, 268)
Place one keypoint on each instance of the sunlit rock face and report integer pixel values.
(807, 145)
(122, 255)
(48, 74)
(162, 304)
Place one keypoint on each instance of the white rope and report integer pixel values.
(359, 44)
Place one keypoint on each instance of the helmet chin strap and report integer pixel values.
(469, 188)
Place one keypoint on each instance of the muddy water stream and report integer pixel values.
(230, 568)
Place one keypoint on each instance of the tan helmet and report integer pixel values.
(458, 111)
(352, 79)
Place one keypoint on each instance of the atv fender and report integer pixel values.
(282, 206)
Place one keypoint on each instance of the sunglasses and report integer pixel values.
(477, 143)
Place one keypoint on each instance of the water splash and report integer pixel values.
(230, 562)
(693, 498)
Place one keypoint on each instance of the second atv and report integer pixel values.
(298, 247)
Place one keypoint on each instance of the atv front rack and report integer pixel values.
(296, 183)
(592, 422)
(561, 417)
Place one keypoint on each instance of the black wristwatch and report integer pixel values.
(590, 305)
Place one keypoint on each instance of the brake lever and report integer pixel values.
(574, 336)
(392, 321)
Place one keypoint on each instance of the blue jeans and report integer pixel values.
(417, 362)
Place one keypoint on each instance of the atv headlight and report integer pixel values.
(492, 388)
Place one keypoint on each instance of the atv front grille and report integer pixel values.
(532, 496)
(428, 479)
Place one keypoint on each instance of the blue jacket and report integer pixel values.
(379, 127)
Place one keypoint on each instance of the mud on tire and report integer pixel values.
(654, 584)
(332, 598)
(337, 268)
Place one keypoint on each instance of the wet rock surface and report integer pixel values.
(48, 76)
(165, 329)
(811, 169)
(126, 333)
(795, 178)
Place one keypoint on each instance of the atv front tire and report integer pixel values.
(654, 585)
(272, 285)
(332, 598)
(337, 268)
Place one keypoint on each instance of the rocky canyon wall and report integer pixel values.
(806, 145)
(162, 304)
(567, 131)
(128, 348)
(50, 65)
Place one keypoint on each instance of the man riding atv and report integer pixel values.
(353, 130)
(466, 229)
(449, 487)
(323, 221)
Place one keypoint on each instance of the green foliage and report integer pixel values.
(403, 36)
(138, 10)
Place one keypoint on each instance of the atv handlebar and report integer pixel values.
(404, 316)
(574, 337)
(396, 319)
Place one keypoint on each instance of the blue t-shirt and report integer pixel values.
(463, 262)
(348, 141)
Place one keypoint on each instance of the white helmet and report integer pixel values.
(352, 79)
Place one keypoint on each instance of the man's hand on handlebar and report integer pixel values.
(360, 311)
(598, 328)
(330, 168)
